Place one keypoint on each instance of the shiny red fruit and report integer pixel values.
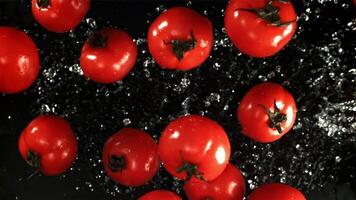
(194, 145)
(59, 15)
(230, 185)
(267, 112)
(48, 144)
(180, 38)
(108, 56)
(130, 157)
(19, 60)
(160, 195)
(260, 28)
(276, 191)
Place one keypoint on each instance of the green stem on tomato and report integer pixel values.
(33, 159)
(117, 163)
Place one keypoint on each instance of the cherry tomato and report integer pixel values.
(180, 38)
(108, 56)
(159, 195)
(194, 145)
(230, 185)
(130, 157)
(59, 15)
(48, 144)
(276, 191)
(267, 112)
(260, 28)
(19, 60)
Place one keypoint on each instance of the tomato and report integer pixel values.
(230, 185)
(19, 60)
(130, 157)
(48, 144)
(160, 194)
(276, 191)
(108, 56)
(59, 15)
(180, 38)
(260, 28)
(194, 145)
(267, 112)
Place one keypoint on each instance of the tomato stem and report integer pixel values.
(33, 159)
(269, 13)
(276, 118)
(191, 170)
(43, 3)
(98, 40)
(117, 163)
(179, 47)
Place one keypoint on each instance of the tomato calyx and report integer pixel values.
(117, 163)
(191, 170)
(33, 159)
(179, 47)
(43, 3)
(98, 40)
(269, 13)
(276, 117)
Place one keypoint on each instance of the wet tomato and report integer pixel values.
(130, 157)
(160, 194)
(194, 145)
(276, 191)
(230, 185)
(180, 38)
(108, 55)
(48, 144)
(267, 112)
(59, 15)
(260, 28)
(19, 60)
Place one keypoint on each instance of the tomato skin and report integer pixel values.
(111, 63)
(230, 185)
(19, 60)
(140, 153)
(61, 15)
(196, 140)
(276, 191)
(254, 36)
(52, 138)
(254, 118)
(160, 194)
(177, 24)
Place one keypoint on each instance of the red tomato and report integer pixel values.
(108, 56)
(230, 185)
(159, 195)
(19, 60)
(130, 157)
(59, 15)
(180, 38)
(276, 191)
(194, 145)
(48, 144)
(267, 112)
(260, 28)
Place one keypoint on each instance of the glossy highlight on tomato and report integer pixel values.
(130, 157)
(267, 112)
(59, 15)
(230, 185)
(260, 28)
(276, 191)
(160, 195)
(108, 55)
(180, 38)
(48, 144)
(194, 145)
(19, 60)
